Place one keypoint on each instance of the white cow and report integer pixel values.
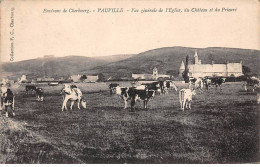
(72, 95)
(185, 96)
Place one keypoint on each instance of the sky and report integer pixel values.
(102, 34)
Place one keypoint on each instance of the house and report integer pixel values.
(91, 78)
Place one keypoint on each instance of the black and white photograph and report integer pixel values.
(129, 82)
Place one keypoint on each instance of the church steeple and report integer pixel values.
(182, 68)
(196, 57)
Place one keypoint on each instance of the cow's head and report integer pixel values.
(66, 88)
(84, 103)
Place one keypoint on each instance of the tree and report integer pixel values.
(101, 77)
(246, 70)
(186, 71)
(83, 77)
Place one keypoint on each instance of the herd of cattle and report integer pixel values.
(143, 92)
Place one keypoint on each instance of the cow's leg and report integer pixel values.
(125, 102)
(189, 104)
(79, 101)
(71, 104)
(183, 105)
(64, 105)
(145, 104)
(132, 104)
(13, 107)
(6, 111)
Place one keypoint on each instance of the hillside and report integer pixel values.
(57, 66)
(168, 60)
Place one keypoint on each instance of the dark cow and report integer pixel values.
(8, 101)
(31, 88)
(140, 95)
(218, 81)
(39, 94)
(153, 86)
(112, 88)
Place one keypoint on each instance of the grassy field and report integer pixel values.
(221, 127)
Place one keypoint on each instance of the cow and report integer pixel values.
(31, 88)
(206, 82)
(122, 92)
(140, 95)
(73, 95)
(7, 100)
(197, 82)
(39, 94)
(185, 97)
(112, 88)
(218, 81)
(170, 85)
(251, 82)
(153, 86)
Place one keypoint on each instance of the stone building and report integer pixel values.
(154, 76)
(201, 70)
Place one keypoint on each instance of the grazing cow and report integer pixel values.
(72, 95)
(185, 97)
(218, 81)
(8, 100)
(170, 85)
(112, 88)
(123, 93)
(39, 93)
(31, 88)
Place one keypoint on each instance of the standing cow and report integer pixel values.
(185, 97)
(39, 94)
(7, 100)
(73, 95)
(140, 95)
(30, 88)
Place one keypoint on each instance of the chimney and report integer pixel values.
(212, 62)
(241, 62)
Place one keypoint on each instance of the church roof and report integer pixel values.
(182, 67)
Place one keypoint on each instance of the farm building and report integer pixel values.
(153, 76)
(77, 78)
(91, 78)
(201, 70)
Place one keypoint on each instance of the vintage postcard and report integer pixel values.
(129, 82)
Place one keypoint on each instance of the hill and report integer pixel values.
(168, 60)
(51, 66)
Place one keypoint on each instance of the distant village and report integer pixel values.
(195, 70)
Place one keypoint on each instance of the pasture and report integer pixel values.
(221, 127)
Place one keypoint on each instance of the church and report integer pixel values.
(153, 76)
(201, 70)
